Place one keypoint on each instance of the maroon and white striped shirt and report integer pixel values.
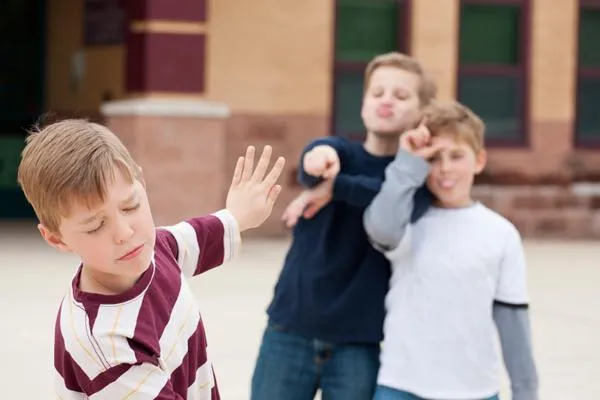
(149, 342)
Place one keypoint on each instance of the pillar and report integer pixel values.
(172, 130)
(435, 41)
(553, 81)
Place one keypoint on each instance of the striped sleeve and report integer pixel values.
(143, 381)
(203, 243)
(65, 390)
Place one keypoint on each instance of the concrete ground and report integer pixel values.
(565, 310)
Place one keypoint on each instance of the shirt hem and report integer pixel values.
(309, 334)
(440, 394)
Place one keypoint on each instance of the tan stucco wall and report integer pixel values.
(271, 56)
(104, 70)
(434, 41)
(267, 56)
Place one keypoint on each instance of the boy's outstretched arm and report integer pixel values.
(512, 322)
(319, 171)
(386, 218)
(202, 243)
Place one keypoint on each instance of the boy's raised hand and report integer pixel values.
(252, 194)
(322, 161)
(418, 142)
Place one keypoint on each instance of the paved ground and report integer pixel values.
(564, 283)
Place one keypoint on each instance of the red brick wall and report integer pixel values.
(545, 211)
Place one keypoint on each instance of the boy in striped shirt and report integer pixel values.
(129, 327)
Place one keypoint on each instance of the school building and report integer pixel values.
(187, 84)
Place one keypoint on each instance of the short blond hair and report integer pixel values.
(456, 119)
(71, 161)
(427, 87)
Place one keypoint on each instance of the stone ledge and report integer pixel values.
(517, 178)
(166, 108)
(570, 211)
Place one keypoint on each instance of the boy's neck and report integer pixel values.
(466, 203)
(92, 281)
(381, 145)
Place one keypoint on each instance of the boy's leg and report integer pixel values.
(285, 368)
(350, 373)
(386, 393)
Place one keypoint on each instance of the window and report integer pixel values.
(587, 130)
(492, 74)
(363, 29)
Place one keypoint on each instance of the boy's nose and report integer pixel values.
(123, 233)
(445, 165)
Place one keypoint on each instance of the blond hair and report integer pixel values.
(427, 87)
(71, 161)
(456, 119)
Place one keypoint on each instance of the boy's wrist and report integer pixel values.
(341, 187)
(416, 166)
(232, 219)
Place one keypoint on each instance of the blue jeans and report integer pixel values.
(386, 393)
(293, 367)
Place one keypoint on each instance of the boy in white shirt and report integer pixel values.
(457, 270)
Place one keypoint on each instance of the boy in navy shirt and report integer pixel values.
(326, 316)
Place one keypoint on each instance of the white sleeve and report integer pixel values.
(511, 286)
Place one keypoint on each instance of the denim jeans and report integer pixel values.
(386, 393)
(293, 367)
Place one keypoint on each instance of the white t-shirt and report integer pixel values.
(440, 337)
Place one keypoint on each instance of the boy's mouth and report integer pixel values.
(384, 112)
(446, 183)
(132, 254)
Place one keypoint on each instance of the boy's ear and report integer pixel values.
(480, 161)
(53, 239)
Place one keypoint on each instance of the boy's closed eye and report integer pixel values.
(457, 154)
(377, 92)
(102, 222)
(401, 94)
(132, 208)
(96, 230)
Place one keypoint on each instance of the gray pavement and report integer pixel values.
(565, 295)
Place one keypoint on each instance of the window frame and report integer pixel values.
(521, 69)
(337, 66)
(582, 73)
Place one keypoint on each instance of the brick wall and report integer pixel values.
(535, 186)
(547, 211)
(279, 93)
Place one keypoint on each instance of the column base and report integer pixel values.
(181, 146)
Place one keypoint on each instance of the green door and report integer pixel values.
(22, 27)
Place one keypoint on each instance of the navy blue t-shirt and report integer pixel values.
(333, 283)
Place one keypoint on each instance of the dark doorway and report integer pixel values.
(22, 61)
